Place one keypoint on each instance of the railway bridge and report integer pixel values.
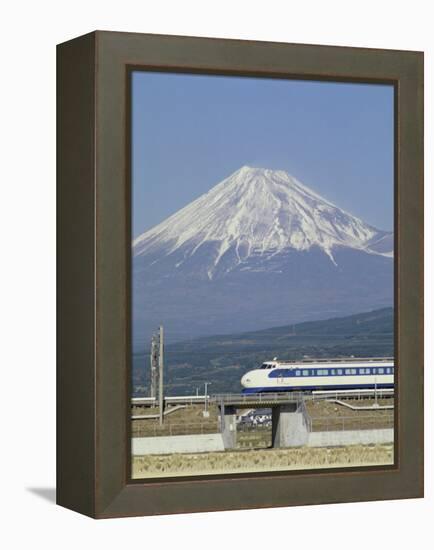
(289, 419)
(287, 416)
(288, 413)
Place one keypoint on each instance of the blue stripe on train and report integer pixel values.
(340, 387)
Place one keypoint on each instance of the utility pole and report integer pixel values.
(376, 399)
(206, 412)
(154, 366)
(160, 374)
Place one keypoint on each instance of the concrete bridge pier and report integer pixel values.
(228, 426)
(288, 426)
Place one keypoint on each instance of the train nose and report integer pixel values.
(245, 381)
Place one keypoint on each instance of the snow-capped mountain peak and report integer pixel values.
(256, 212)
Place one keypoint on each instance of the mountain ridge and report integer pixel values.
(223, 359)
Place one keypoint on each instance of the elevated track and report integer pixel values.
(170, 400)
(266, 399)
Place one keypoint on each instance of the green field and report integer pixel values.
(222, 360)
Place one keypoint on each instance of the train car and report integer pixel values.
(322, 374)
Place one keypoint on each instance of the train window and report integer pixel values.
(367, 371)
(297, 372)
(305, 373)
(326, 372)
(333, 372)
(339, 371)
(353, 371)
(380, 370)
(361, 371)
(347, 371)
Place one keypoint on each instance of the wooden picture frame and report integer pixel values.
(94, 203)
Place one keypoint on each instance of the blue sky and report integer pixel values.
(191, 131)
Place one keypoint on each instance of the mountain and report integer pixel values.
(259, 249)
(256, 213)
(223, 359)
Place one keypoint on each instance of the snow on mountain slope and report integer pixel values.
(257, 212)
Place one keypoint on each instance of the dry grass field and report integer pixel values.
(188, 420)
(326, 415)
(301, 458)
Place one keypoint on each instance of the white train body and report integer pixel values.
(330, 374)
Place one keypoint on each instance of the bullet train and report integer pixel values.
(320, 374)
